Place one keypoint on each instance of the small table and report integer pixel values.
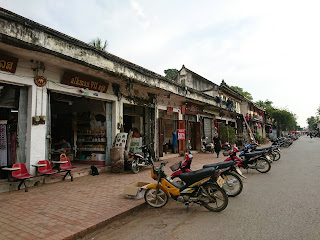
(10, 169)
(37, 166)
(59, 162)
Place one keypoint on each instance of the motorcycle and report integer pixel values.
(226, 146)
(137, 161)
(232, 183)
(182, 167)
(229, 171)
(273, 151)
(207, 147)
(253, 160)
(197, 187)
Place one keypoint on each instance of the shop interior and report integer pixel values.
(169, 126)
(140, 120)
(81, 122)
(9, 106)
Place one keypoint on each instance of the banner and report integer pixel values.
(181, 134)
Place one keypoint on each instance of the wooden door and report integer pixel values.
(198, 136)
(161, 136)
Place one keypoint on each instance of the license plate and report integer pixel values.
(220, 181)
(238, 171)
(268, 157)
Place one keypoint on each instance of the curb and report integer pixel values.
(106, 222)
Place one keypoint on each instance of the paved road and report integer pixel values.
(281, 204)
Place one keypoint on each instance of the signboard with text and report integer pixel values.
(8, 63)
(181, 134)
(77, 80)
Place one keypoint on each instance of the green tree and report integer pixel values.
(286, 120)
(99, 44)
(227, 134)
(312, 123)
(171, 73)
(242, 92)
(265, 104)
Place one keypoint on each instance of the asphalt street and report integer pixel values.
(281, 204)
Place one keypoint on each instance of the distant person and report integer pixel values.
(63, 145)
(217, 144)
(136, 133)
(174, 142)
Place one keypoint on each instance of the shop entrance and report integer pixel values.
(80, 128)
(168, 125)
(13, 123)
(140, 120)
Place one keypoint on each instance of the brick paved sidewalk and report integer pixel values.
(70, 209)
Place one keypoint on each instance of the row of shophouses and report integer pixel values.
(54, 86)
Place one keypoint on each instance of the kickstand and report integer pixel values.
(188, 206)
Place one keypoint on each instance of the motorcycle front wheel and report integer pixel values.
(263, 165)
(156, 198)
(134, 166)
(213, 197)
(277, 155)
(233, 185)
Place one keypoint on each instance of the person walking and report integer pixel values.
(217, 144)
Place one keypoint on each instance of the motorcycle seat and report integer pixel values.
(219, 165)
(262, 149)
(193, 177)
(253, 154)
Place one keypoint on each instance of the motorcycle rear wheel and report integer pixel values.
(217, 199)
(134, 166)
(233, 187)
(263, 162)
(156, 198)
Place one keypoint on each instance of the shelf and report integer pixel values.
(90, 142)
(87, 150)
(95, 134)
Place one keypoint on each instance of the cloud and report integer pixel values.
(270, 48)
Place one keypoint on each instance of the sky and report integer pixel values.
(269, 48)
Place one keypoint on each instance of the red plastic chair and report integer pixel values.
(46, 170)
(21, 174)
(66, 166)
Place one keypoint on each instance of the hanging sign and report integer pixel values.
(8, 63)
(77, 80)
(169, 110)
(181, 134)
(183, 109)
(40, 81)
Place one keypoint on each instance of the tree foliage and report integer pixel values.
(171, 73)
(312, 123)
(242, 92)
(285, 120)
(99, 44)
(227, 134)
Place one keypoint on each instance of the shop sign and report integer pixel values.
(77, 80)
(40, 81)
(169, 110)
(183, 109)
(192, 109)
(181, 134)
(8, 63)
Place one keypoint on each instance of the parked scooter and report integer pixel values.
(273, 151)
(198, 187)
(226, 146)
(231, 183)
(207, 147)
(253, 160)
(137, 161)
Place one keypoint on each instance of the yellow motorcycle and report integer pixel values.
(201, 187)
